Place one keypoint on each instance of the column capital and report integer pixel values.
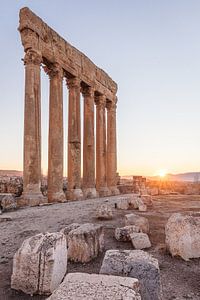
(100, 101)
(111, 106)
(33, 57)
(54, 70)
(73, 82)
(87, 91)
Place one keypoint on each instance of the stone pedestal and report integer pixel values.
(101, 182)
(32, 129)
(55, 160)
(112, 148)
(74, 141)
(89, 189)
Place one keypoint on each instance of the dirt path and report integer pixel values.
(180, 279)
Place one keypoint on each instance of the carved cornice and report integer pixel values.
(32, 57)
(73, 83)
(54, 70)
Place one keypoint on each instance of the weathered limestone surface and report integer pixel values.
(123, 203)
(141, 222)
(7, 202)
(66, 230)
(112, 148)
(83, 286)
(123, 234)
(140, 240)
(104, 212)
(55, 158)
(85, 242)
(40, 264)
(74, 140)
(183, 235)
(89, 189)
(136, 264)
(147, 200)
(32, 128)
(43, 45)
(101, 153)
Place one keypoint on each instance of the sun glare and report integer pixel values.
(162, 173)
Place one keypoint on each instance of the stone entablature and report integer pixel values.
(36, 34)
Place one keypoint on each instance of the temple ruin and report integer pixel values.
(61, 61)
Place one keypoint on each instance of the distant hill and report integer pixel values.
(10, 173)
(189, 176)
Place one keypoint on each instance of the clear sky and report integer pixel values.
(151, 48)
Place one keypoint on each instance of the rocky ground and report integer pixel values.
(180, 279)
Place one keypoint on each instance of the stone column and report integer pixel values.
(55, 152)
(89, 189)
(112, 148)
(101, 182)
(32, 129)
(74, 191)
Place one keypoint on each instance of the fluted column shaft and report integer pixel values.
(111, 148)
(88, 144)
(55, 152)
(32, 129)
(101, 183)
(74, 140)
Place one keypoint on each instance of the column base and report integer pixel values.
(104, 192)
(56, 197)
(32, 199)
(90, 193)
(75, 194)
(114, 190)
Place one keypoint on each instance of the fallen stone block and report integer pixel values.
(136, 264)
(141, 222)
(40, 264)
(142, 207)
(66, 230)
(104, 212)
(85, 242)
(123, 203)
(183, 235)
(7, 202)
(140, 240)
(147, 200)
(83, 286)
(123, 234)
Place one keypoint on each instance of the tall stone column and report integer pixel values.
(55, 152)
(32, 129)
(74, 141)
(101, 181)
(89, 189)
(112, 148)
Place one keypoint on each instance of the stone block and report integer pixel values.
(123, 234)
(141, 222)
(40, 264)
(140, 240)
(7, 202)
(104, 212)
(83, 286)
(142, 207)
(85, 242)
(183, 235)
(147, 200)
(122, 203)
(66, 230)
(136, 264)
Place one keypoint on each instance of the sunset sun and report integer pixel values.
(162, 173)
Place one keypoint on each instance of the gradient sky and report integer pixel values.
(151, 48)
